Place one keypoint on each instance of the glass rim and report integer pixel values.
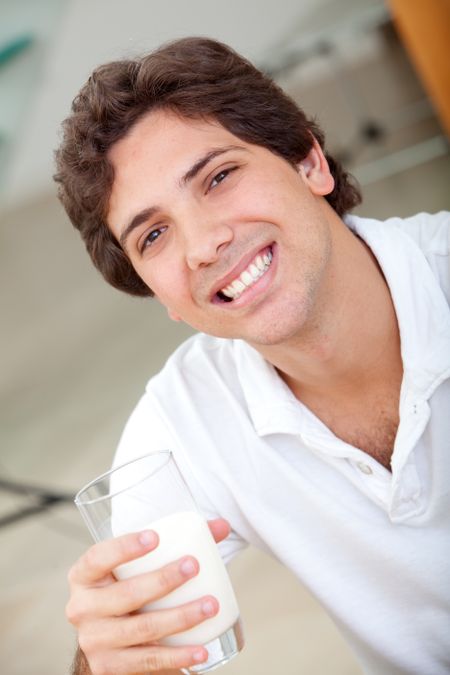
(89, 502)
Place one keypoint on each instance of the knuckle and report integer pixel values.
(147, 628)
(87, 643)
(99, 666)
(155, 661)
(131, 589)
(104, 668)
(158, 658)
(126, 542)
(74, 612)
(72, 575)
(169, 658)
(90, 558)
(174, 660)
(121, 547)
(188, 615)
(167, 578)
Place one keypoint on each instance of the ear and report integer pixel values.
(173, 315)
(315, 171)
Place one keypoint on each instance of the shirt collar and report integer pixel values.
(272, 406)
(424, 323)
(422, 312)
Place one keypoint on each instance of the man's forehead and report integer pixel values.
(164, 128)
(164, 143)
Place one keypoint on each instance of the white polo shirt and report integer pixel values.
(373, 546)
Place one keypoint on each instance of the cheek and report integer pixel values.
(283, 197)
(258, 202)
(168, 284)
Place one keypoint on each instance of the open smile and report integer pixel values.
(256, 269)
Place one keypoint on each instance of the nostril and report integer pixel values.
(205, 249)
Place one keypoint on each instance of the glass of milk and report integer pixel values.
(150, 493)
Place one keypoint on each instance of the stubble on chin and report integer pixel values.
(297, 319)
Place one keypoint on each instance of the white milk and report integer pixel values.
(181, 534)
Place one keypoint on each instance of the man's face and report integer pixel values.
(231, 238)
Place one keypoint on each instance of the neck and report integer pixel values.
(351, 344)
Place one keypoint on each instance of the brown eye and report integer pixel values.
(219, 177)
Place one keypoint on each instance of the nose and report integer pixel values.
(204, 243)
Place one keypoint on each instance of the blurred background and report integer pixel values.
(76, 354)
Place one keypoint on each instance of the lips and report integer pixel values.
(245, 275)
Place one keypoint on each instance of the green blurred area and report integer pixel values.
(27, 28)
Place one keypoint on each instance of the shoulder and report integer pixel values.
(201, 365)
(423, 234)
(199, 360)
(430, 231)
(431, 234)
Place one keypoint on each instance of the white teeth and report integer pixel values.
(228, 292)
(254, 271)
(238, 286)
(248, 277)
(260, 263)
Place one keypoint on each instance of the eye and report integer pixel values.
(151, 237)
(219, 177)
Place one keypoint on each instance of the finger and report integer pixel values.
(148, 627)
(220, 528)
(144, 660)
(131, 594)
(100, 559)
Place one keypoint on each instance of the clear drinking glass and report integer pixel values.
(150, 493)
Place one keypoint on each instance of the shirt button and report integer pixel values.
(365, 468)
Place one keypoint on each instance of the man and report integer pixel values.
(311, 411)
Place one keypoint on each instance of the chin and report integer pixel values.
(286, 327)
(271, 338)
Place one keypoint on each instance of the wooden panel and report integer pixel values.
(424, 27)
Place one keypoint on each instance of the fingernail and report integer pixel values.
(200, 656)
(208, 607)
(147, 538)
(187, 567)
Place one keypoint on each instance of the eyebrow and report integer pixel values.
(147, 213)
(137, 220)
(203, 161)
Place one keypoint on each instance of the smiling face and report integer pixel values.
(231, 238)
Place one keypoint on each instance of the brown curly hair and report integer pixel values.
(197, 78)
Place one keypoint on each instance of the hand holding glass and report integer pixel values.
(150, 493)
